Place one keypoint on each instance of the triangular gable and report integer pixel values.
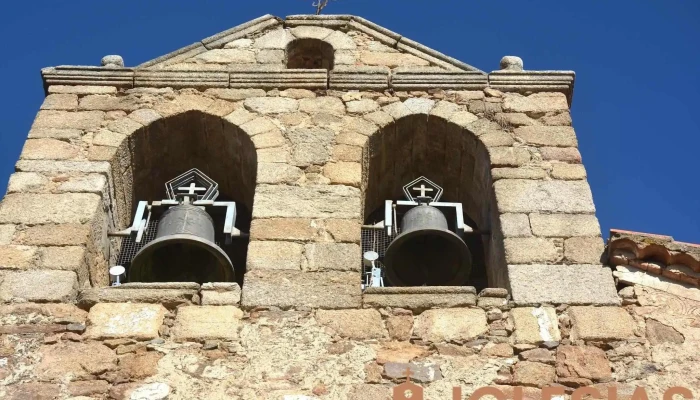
(261, 43)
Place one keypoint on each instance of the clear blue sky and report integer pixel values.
(636, 99)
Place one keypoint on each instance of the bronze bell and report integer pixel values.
(427, 252)
(183, 250)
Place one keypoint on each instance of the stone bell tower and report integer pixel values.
(320, 133)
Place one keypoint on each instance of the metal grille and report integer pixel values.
(375, 240)
(130, 247)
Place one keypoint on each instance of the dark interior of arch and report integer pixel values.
(173, 145)
(443, 152)
(309, 54)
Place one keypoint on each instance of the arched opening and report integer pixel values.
(454, 159)
(161, 151)
(309, 54)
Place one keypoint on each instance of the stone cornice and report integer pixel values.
(342, 78)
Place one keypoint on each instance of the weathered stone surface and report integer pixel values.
(39, 286)
(221, 298)
(497, 350)
(7, 232)
(362, 106)
(267, 140)
(419, 105)
(535, 325)
(515, 225)
(68, 120)
(17, 257)
(557, 136)
(313, 201)
(496, 138)
(283, 229)
(400, 327)
(601, 323)
(60, 101)
(54, 235)
(521, 195)
(21, 208)
(133, 320)
(276, 173)
(508, 156)
(332, 256)
(88, 388)
(658, 333)
(343, 152)
(564, 225)
(71, 258)
(344, 173)
(287, 289)
(293, 93)
(151, 391)
(420, 372)
(463, 118)
(108, 102)
(274, 255)
(584, 250)
(82, 89)
(419, 299)
(533, 374)
(271, 105)
(585, 362)
(64, 134)
(535, 103)
(235, 94)
(48, 149)
(538, 355)
(531, 250)
(145, 116)
(566, 154)
(105, 137)
(276, 39)
(331, 105)
(568, 171)
(273, 155)
(198, 323)
(353, 324)
(343, 230)
(92, 183)
(75, 361)
(227, 56)
(168, 297)
(450, 325)
(558, 284)
(391, 60)
(311, 145)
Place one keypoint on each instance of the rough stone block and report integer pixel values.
(221, 298)
(227, 56)
(21, 208)
(283, 229)
(343, 230)
(362, 106)
(108, 102)
(27, 182)
(420, 372)
(568, 171)
(54, 235)
(496, 138)
(274, 255)
(7, 232)
(48, 149)
(268, 140)
(353, 324)
(562, 284)
(63, 134)
(521, 195)
(566, 154)
(310, 145)
(515, 225)
(508, 156)
(60, 101)
(105, 137)
(531, 250)
(526, 172)
(601, 323)
(331, 105)
(71, 258)
(332, 257)
(271, 105)
(199, 323)
(92, 183)
(391, 60)
(17, 257)
(276, 39)
(74, 361)
(169, 297)
(344, 152)
(145, 116)
(68, 120)
(450, 325)
(82, 89)
(564, 225)
(586, 362)
(535, 325)
(125, 320)
(293, 289)
(419, 298)
(39, 286)
(277, 173)
(535, 103)
(556, 136)
(584, 250)
(313, 201)
(64, 166)
(344, 173)
(529, 373)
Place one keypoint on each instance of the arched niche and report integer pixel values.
(452, 157)
(309, 54)
(166, 148)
